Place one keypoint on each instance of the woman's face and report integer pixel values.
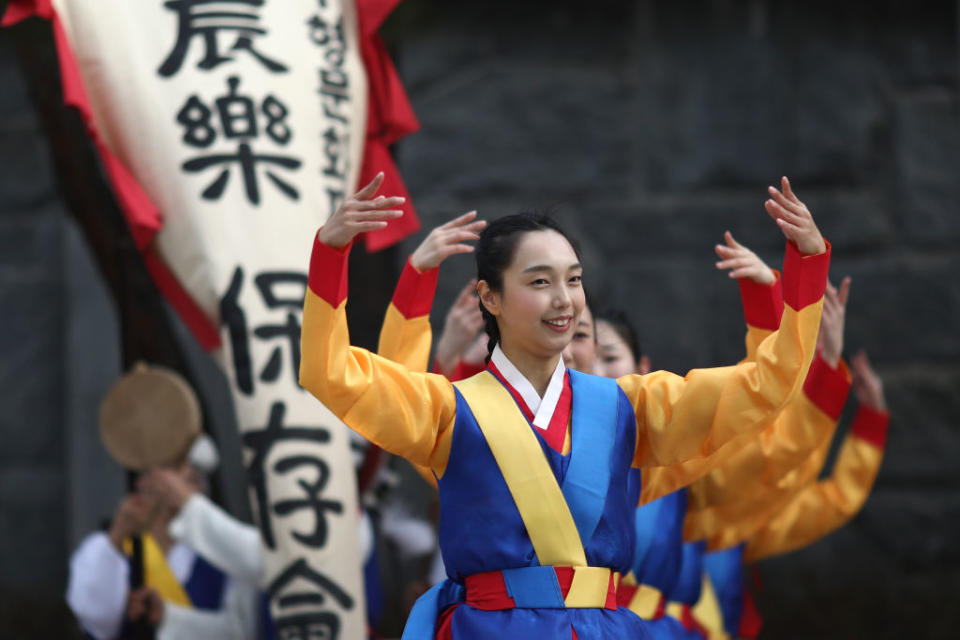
(541, 298)
(614, 358)
(581, 353)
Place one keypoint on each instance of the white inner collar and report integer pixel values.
(542, 408)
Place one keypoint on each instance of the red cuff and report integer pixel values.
(762, 303)
(328, 272)
(804, 277)
(466, 370)
(871, 425)
(826, 387)
(462, 371)
(415, 291)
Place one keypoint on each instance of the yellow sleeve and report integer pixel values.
(755, 337)
(827, 505)
(709, 412)
(766, 467)
(410, 414)
(729, 524)
(406, 335)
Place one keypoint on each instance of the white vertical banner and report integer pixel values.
(243, 121)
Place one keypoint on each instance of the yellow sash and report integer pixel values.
(526, 471)
(645, 600)
(157, 573)
(533, 486)
(707, 611)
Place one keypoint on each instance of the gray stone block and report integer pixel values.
(15, 106)
(873, 578)
(31, 339)
(927, 140)
(32, 526)
(924, 434)
(30, 241)
(903, 305)
(29, 182)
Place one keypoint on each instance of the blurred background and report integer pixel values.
(652, 127)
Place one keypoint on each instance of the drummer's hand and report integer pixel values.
(145, 603)
(131, 518)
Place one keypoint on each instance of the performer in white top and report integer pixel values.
(201, 566)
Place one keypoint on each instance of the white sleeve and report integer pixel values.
(98, 586)
(236, 620)
(219, 538)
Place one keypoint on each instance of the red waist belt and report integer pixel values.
(543, 587)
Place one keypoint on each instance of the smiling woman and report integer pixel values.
(530, 292)
(532, 460)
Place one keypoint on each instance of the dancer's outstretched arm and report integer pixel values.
(406, 413)
(683, 418)
(826, 506)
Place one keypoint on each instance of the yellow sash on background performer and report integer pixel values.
(157, 574)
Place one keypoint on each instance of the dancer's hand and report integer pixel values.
(447, 240)
(830, 340)
(794, 219)
(866, 383)
(464, 321)
(742, 262)
(359, 214)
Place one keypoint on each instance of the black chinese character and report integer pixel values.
(301, 570)
(320, 625)
(315, 625)
(194, 20)
(335, 151)
(239, 120)
(335, 95)
(270, 286)
(318, 537)
(322, 33)
(232, 315)
(262, 442)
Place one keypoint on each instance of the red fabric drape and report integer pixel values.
(389, 118)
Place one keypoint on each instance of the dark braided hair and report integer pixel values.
(495, 252)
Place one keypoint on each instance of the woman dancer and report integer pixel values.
(536, 517)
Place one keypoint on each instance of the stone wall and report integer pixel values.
(33, 506)
(654, 127)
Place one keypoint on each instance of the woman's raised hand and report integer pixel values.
(446, 240)
(360, 213)
(464, 321)
(832, 320)
(866, 383)
(794, 219)
(742, 262)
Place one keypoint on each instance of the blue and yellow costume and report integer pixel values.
(687, 591)
(494, 527)
(657, 559)
(812, 512)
